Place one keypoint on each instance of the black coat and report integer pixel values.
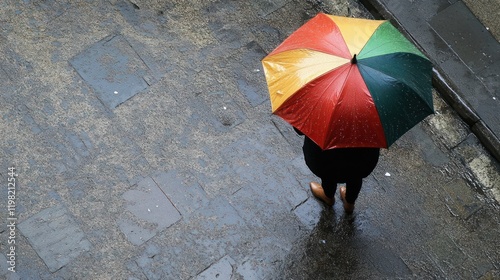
(339, 162)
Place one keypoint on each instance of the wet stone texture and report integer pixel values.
(114, 69)
(55, 236)
(184, 173)
(222, 269)
(182, 190)
(149, 211)
(247, 65)
(205, 237)
(463, 33)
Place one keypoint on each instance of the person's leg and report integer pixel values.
(350, 193)
(329, 186)
(353, 187)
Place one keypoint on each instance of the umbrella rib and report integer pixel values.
(332, 53)
(340, 97)
(323, 52)
(402, 82)
(420, 98)
(319, 99)
(374, 49)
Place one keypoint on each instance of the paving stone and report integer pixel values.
(30, 122)
(263, 261)
(249, 204)
(248, 73)
(191, 246)
(4, 269)
(12, 66)
(430, 151)
(55, 236)
(461, 200)
(227, 113)
(231, 36)
(74, 148)
(182, 190)
(272, 182)
(287, 131)
(267, 36)
(222, 269)
(219, 221)
(446, 253)
(114, 69)
(464, 36)
(51, 9)
(309, 213)
(149, 211)
(387, 262)
(245, 158)
(144, 20)
(81, 143)
(266, 7)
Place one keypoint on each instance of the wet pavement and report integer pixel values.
(144, 148)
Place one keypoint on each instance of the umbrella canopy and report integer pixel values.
(347, 82)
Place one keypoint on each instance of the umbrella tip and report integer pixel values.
(354, 60)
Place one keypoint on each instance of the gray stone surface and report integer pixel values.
(206, 236)
(222, 269)
(114, 69)
(199, 142)
(487, 12)
(55, 236)
(182, 190)
(148, 212)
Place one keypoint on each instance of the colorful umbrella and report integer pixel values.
(347, 82)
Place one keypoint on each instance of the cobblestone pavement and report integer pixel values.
(144, 147)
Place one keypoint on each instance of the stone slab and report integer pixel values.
(287, 131)
(222, 269)
(55, 236)
(467, 37)
(149, 211)
(245, 158)
(266, 7)
(114, 69)
(12, 65)
(51, 9)
(227, 114)
(201, 239)
(182, 190)
(264, 260)
(249, 75)
(446, 254)
(309, 213)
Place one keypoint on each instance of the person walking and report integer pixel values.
(336, 166)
